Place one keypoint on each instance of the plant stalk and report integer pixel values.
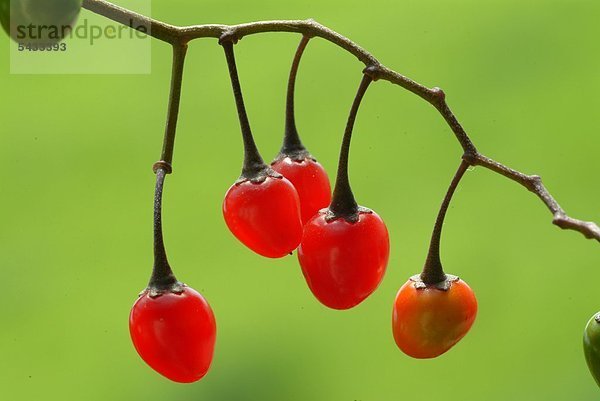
(433, 273)
(343, 203)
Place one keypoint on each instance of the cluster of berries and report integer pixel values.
(343, 250)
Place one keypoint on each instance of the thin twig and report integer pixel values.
(534, 184)
(176, 35)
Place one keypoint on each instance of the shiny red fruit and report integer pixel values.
(264, 216)
(344, 262)
(311, 182)
(428, 321)
(174, 334)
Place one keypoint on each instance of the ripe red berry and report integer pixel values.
(345, 248)
(310, 180)
(262, 208)
(174, 333)
(428, 320)
(264, 215)
(343, 261)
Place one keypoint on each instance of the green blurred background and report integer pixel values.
(75, 232)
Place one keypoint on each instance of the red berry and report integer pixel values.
(264, 216)
(344, 262)
(428, 321)
(174, 333)
(311, 182)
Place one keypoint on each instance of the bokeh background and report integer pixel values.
(76, 197)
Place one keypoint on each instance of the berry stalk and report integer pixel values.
(343, 203)
(292, 145)
(254, 165)
(433, 273)
(162, 279)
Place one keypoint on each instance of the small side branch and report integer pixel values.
(534, 184)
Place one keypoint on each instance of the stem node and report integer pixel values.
(438, 94)
(161, 164)
(470, 158)
(373, 71)
(229, 36)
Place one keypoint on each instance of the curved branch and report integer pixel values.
(182, 35)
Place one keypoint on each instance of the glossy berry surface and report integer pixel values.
(174, 334)
(428, 321)
(344, 262)
(264, 216)
(591, 346)
(311, 182)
